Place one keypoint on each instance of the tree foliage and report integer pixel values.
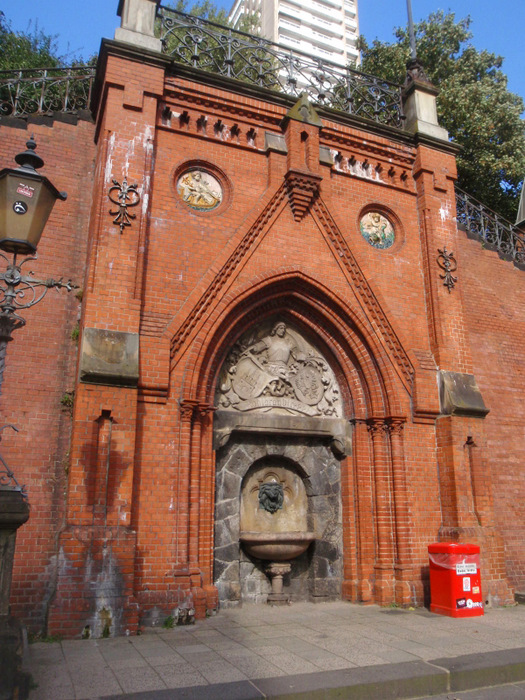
(202, 8)
(31, 49)
(207, 9)
(474, 104)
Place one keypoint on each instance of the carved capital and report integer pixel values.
(395, 426)
(187, 409)
(205, 412)
(376, 426)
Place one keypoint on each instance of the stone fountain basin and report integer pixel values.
(276, 546)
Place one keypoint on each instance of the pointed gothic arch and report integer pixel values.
(376, 553)
(360, 359)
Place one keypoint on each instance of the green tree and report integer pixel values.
(25, 88)
(30, 49)
(208, 10)
(244, 59)
(202, 8)
(474, 104)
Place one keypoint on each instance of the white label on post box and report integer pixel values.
(466, 583)
(462, 569)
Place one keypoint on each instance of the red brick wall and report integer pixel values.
(41, 360)
(190, 283)
(494, 297)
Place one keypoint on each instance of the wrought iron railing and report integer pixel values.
(252, 59)
(45, 90)
(496, 231)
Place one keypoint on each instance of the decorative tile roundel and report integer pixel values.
(199, 189)
(377, 230)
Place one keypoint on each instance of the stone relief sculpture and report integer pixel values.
(275, 369)
(199, 190)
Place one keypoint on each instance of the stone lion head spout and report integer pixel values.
(271, 496)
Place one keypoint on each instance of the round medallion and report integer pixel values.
(199, 189)
(377, 230)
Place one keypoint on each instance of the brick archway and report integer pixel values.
(376, 554)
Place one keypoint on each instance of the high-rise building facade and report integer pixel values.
(326, 29)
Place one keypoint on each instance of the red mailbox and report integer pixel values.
(455, 580)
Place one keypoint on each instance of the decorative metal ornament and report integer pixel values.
(448, 263)
(271, 496)
(18, 292)
(377, 230)
(7, 478)
(253, 59)
(478, 220)
(199, 189)
(126, 196)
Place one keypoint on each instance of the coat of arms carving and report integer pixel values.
(274, 368)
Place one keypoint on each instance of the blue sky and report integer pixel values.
(497, 26)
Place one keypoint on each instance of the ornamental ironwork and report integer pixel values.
(124, 196)
(227, 52)
(45, 90)
(18, 292)
(7, 477)
(498, 233)
(447, 262)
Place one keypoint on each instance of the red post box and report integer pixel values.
(455, 580)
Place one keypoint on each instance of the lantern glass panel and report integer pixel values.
(25, 206)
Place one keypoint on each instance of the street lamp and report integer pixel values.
(26, 201)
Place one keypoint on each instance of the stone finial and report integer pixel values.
(137, 25)
(303, 111)
(416, 72)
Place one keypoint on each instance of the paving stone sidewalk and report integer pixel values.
(263, 651)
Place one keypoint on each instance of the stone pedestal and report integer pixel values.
(276, 571)
(14, 512)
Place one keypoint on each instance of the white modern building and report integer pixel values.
(325, 29)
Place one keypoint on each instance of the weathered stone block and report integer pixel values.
(109, 357)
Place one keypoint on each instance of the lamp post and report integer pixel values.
(26, 201)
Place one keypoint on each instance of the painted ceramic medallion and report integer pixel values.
(199, 190)
(377, 230)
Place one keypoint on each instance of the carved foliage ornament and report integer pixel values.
(377, 230)
(199, 189)
(273, 368)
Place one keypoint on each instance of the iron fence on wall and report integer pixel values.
(494, 230)
(257, 61)
(45, 90)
